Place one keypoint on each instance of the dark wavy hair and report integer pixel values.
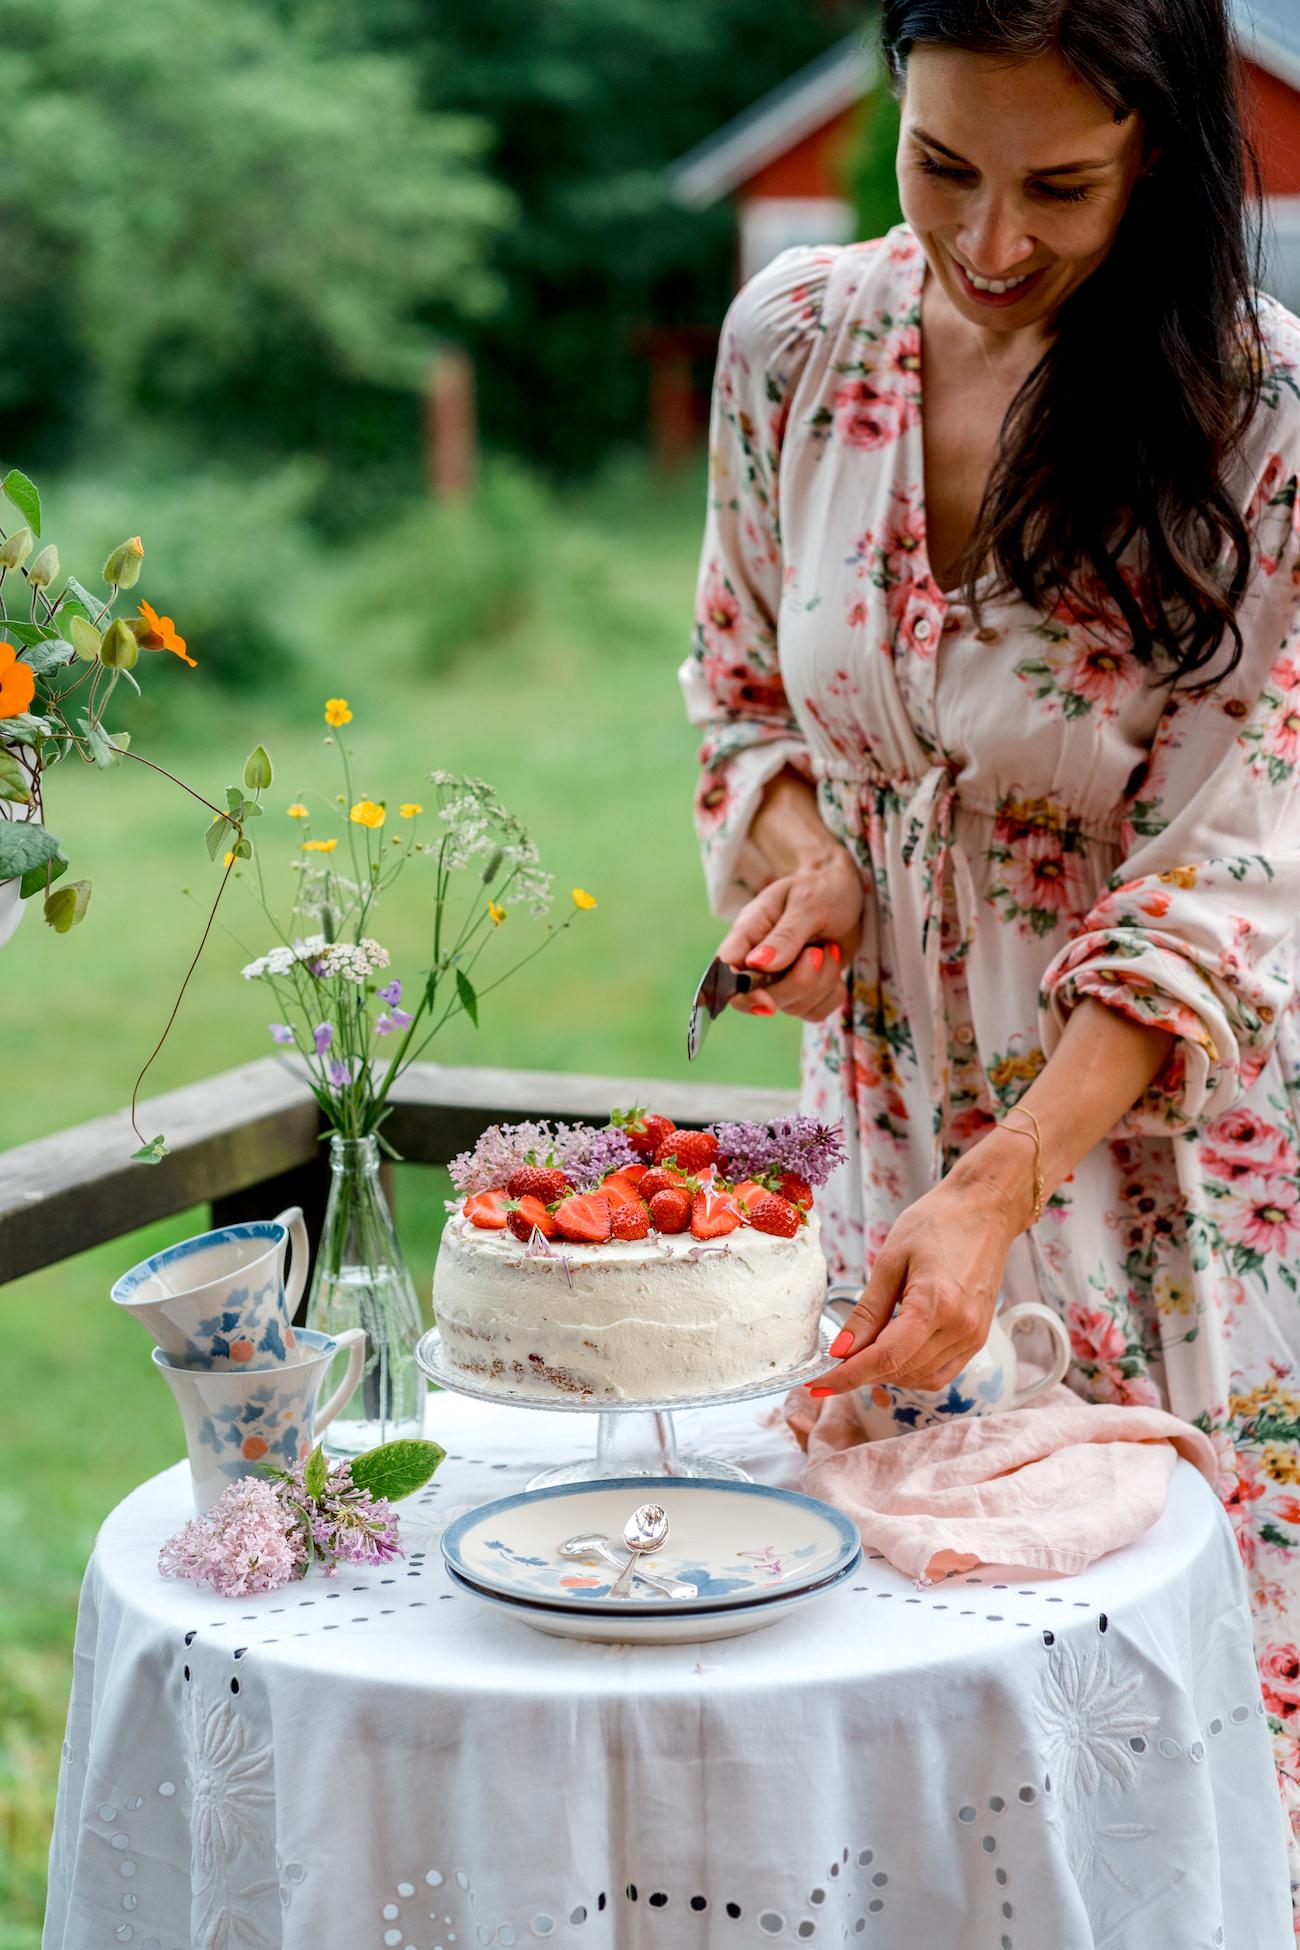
(1122, 434)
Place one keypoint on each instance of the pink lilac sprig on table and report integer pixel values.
(260, 1535)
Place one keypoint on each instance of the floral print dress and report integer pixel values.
(1036, 820)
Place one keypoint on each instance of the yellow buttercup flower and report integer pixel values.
(297, 811)
(581, 898)
(367, 813)
(497, 912)
(410, 809)
(319, 846)
(229, 860)
(337, 711)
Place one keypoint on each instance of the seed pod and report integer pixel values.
(15, 549)
(119, 649)
(85, 638)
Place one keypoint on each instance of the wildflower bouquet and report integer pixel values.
(266, 1530)
(356, 1024)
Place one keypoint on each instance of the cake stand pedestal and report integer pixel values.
(633, 1438)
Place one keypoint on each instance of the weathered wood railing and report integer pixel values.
(247, 1142)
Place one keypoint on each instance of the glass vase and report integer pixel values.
(361, 1280)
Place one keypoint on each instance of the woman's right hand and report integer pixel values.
(820, 903)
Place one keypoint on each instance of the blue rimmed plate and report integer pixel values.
(739, 1544)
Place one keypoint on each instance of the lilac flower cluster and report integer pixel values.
(797, 1144)
(259, 1535)
(586, 1152)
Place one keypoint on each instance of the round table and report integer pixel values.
(375, 1762)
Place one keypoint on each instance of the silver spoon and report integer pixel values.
(597, 1545)
(645, 1530)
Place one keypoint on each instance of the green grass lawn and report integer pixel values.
(573, 712)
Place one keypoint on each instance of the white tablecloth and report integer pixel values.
(376, 1763)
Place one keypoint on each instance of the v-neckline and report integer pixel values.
(947, 597)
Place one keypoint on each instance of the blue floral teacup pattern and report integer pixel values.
(987, 1384)
(220, 1300)
(236, 1419)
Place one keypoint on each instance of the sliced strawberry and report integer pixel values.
(746, 1192)
(624, 1183)
(690, 1151)
(529, 1213)
(488, 1209)
(630, 1220)
(658, 1180)
(713, 1214)
(794, 1188)
(670, 1211)
(776, 1215)
(538, 1181)
(586, 1218)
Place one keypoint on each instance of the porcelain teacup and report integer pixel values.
(220, 1300)
(236, 1418)
(985, 1386)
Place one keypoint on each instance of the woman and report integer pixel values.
(998, 665)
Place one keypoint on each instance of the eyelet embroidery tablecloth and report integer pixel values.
(378, 1763)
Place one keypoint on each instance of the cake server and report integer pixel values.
(718, 984)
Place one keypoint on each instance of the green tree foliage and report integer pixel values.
(873, 181)
(230, 217)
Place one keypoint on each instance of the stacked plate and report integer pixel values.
(752, 1553)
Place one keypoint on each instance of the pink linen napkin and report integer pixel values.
(1048, 1487)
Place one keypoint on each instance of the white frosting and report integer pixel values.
(657, 1319)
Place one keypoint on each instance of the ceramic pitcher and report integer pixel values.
(987, 1384)
(220, 1300)
(236, 1418)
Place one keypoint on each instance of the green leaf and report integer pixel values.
(33, 882)
(218, 837)
(316, 1474)
(152, 1153)
(243, 849)
(48, 655)
(234, 799)
(396, 1469)
(13, 780)
(24, 845)
(257, 769)
(107, 748)
(22, 493)
(468, 999)
(26, 729)
(77, 599)
(65, 906)
(25, 632)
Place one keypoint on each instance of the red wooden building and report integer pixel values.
(781, 163)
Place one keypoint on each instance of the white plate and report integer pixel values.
(739, 1544)
(651, 1628)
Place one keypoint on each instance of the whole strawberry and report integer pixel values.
(644, 1129)
(794, 1188)
(690, 1151)
(538, 1181)
(630, 1220)
(658, 1180)
(774, 1214)
(670, 1211)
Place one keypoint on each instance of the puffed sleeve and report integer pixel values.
(732, 676)
(1194, 932)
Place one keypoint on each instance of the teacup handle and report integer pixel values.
(1035, 1310)
(300, 1254)
(354, 1340)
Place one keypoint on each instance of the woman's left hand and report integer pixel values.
(942, 1266)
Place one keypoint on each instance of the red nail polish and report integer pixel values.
(760, 957)
(817, 956)
(819, 1391)
(842, 1344)
(763, 1006)
(836, 953)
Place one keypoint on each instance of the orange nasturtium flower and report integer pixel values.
(410, 809)
(581, 898)
(367, 813)
(17, 683)
(337, 711)
(297, 810)
(319, 846)
(159, 633)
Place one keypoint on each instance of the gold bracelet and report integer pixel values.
(1037, 1137)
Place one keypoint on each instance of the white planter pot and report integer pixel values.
(11, 908)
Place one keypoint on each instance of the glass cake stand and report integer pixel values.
(635, 1438)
